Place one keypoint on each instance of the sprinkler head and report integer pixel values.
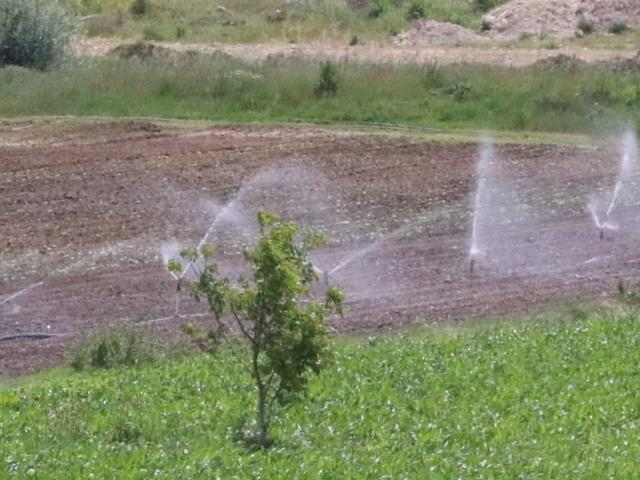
(325, 276)
(601, 233)
(472, 265)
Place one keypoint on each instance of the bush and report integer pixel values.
(486, 26)
(585, 26)
(618, 28)
(416, 10)
(110, 348)
(33, 33)
(328, 83)
(139, 7)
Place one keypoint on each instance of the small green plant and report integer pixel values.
(486, 26)
(585, 26)
(282, 328)
(459, 91)
(417, 10)
(33, 33)
(181, 32)
(328, 82)
(354, 41)
(139, 7)
(618, 28)
(110, 348)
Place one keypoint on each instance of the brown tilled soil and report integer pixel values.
(85, 208)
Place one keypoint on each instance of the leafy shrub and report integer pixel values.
(110, 348)
(586, 26)
(181, 32)
(354, 41)
(328, 82)
(486, 26)
(618, 28)
(33, 33)
(416, 10)
(139, 7)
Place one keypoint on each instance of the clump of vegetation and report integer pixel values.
(379, 8)
(459, 90)
(328, 82)
(485, 5)
(417, 10)
(354, 41)
(139, 7)
(283, 330)
(585, 26)
(618, 28)
(33, 33)
(111, 348)
(486, 26)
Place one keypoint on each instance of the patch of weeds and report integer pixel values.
(152, 35)
(125, 431)
(139, 7)
(111, 348)
(459, 91)
(379, 8)
(618, 28)
(328, 82)
(585, 26)
(181, 32)
(354, 41)
(104, 25)
(486, 26)
(417, 10)
(433, 76)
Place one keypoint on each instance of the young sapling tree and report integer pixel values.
(283, 329)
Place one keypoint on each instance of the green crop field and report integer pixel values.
(555, 397)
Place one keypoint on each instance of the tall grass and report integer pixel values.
(574, 100)
(547, 399)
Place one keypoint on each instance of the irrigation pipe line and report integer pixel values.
(32, 336)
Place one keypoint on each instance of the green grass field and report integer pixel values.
(457, 97)
(555, 397)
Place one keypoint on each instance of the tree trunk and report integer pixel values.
(262, 421)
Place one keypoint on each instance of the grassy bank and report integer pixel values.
(264, 20)
(548, 399)
(456, 97)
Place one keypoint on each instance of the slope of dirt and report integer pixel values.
(86, 211)
(370, 53)
(430, 32)
(559, 18)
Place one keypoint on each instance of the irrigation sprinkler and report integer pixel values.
(325, 276)
(472, 265)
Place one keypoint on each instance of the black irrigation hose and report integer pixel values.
(31, 336)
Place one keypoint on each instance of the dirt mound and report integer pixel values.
(559, 18)
(429, 32)
(560, 62)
